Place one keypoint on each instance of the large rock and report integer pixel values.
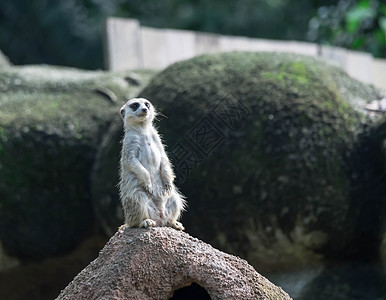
(380, 137)
(262, 146)
(51, 123)
(368, 193)
(347, 280)
(154, 263)
(105, 176)
(374, 215)
(45, 279)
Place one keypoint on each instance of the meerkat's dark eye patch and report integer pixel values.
(134, 106)
(147, 104)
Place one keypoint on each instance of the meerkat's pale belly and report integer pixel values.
(150, 158)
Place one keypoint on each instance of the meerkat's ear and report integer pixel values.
(122, 112)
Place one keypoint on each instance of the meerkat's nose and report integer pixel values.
(144, 110)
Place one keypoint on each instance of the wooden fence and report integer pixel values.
(128, 45)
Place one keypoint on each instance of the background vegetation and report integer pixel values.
(70, 32)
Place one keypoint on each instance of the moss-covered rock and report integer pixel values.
(368, 193)
(105, 177)
(382, 185)
(373, 215)
(347, 281)
(262, 146)
(278, 183)
(51, 123)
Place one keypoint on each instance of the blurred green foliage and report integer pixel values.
(61, 32)
(70, 32)
(355, 24)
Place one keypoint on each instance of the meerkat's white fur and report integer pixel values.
(148, 194)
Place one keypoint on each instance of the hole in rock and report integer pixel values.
(193, 291)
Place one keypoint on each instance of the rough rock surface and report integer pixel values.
(263, 146)
(152, 264)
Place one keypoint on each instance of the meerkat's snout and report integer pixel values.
(143, 112)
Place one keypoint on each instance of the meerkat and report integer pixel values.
(148, 195)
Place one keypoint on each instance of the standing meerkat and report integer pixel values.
(148, 194)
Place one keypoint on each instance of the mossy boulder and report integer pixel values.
(51, 123)
(105, 178)
(268, 142)
(262, 146)
(374, 214)
(368, 194)
(349, 280)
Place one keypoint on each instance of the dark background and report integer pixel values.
(70, 32)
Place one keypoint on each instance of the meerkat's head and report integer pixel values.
(137, 111)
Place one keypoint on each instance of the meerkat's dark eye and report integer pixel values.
(147, 104)
(134, 106)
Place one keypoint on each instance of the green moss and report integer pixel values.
(294, 72)
(298, 68)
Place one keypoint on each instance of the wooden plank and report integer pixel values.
(379, 75)
(122, 44)
(162, 47)
(130, 46)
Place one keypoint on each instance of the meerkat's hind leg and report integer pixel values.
(147, 223)
(122, 227)
(174, 206)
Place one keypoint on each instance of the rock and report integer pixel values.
(346, 280)
(4, 61)
(6, 261)
(368, 193)
(45, 279)
(105, 193)
(154, 263)
(373, 221)
(262, 145)
(273, 136)
(51, 122)
(378, 106)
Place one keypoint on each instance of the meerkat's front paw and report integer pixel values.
(176, 225)
(147, 223)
